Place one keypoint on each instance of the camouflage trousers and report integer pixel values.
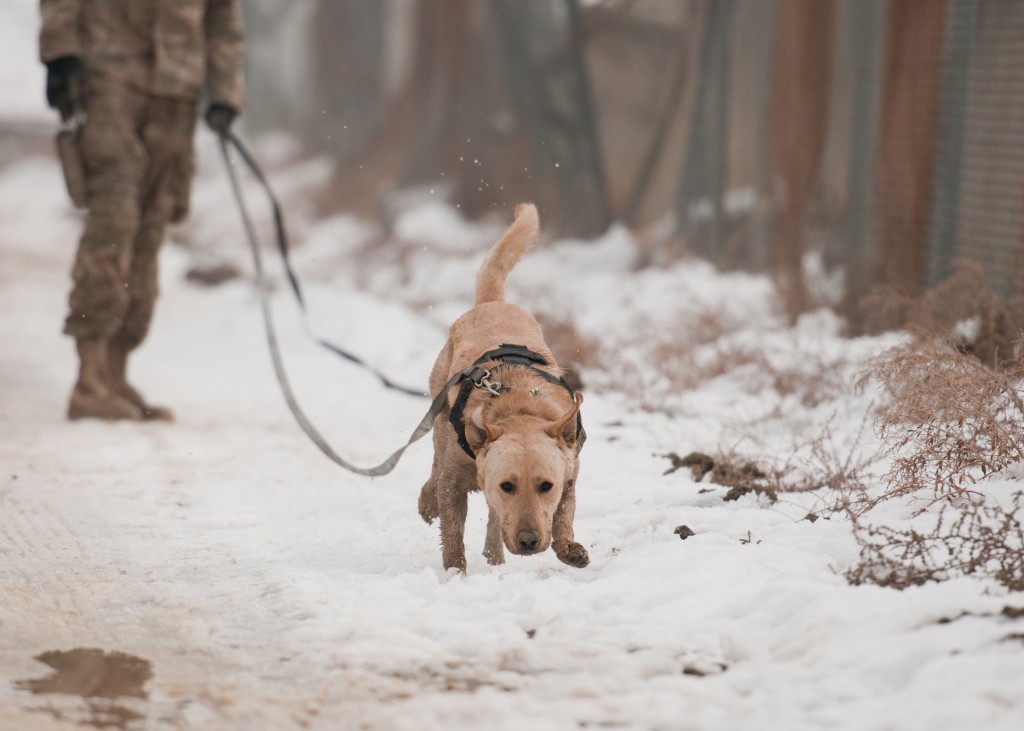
(138, 160)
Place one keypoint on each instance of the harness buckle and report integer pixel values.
(484, 381)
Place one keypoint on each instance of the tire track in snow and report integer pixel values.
(48, 604)
(49, 570)
(36, 532)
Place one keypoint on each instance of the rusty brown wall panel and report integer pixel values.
(909, 124)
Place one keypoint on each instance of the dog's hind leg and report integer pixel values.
(493, 549)
(566, 548)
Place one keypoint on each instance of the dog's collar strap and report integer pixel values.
(477, 377)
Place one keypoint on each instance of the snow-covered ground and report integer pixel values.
(268, 589)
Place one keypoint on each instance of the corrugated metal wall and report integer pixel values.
(890, 140)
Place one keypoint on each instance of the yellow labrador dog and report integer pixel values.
(512, 429)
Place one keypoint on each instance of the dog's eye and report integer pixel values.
(544, 487)
(507, 487)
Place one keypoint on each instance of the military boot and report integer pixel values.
(93, 397)
(117, 355)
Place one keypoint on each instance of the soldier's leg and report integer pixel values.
(142, 289)
(114, 158)
(168, 132)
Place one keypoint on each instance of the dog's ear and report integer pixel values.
(564, 429)
(478, 431)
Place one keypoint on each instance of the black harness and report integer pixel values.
(477, 377)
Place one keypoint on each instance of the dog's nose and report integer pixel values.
(528, 540)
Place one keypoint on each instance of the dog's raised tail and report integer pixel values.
(516, 241)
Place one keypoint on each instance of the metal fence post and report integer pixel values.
(961, 35)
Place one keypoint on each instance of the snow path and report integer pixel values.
(268, 589)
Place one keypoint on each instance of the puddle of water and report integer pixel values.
(96, 676)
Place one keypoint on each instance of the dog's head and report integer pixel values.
(523, 463)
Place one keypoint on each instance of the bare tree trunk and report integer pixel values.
(347, 94)
(805, 43)
(548, 85)
(445, 32)
(592, 159)
(362, 181)
(488, 129)
(679, 82)
(705, 166)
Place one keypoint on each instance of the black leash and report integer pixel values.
(282, 247)
(436, 407)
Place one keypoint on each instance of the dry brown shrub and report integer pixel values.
(948, 422)
(845, 472)
(980, 539)
(963, 297)
(954, 414)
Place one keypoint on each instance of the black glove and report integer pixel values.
(65, 85)
(220, 116)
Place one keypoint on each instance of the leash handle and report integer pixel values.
(436, 406)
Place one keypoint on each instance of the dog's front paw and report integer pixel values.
(456, 567)
(572, 553)
(495, 557)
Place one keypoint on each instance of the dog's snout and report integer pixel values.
(528, 540)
